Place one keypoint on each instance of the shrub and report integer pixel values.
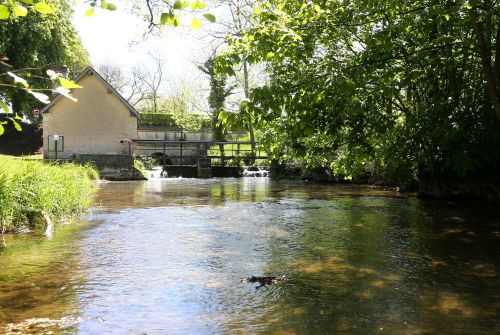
(30, 187)
(186, 121)
(18, 143)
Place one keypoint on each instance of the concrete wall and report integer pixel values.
(93, 125)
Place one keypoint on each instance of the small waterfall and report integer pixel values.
(155, 173)
(255, 171)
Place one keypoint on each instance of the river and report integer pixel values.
(167, 256)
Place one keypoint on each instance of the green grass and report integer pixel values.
(28, 187)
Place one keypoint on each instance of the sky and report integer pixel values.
(116, 37)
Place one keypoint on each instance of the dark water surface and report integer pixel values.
(166, 257)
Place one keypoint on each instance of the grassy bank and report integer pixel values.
(29, 187)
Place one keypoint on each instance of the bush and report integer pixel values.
(146, 162)
(157, 119)
(30, 187)
(18, 143)
(186, 121)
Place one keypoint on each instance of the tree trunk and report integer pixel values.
(16, 103)
(222, 155)
(247, 95)
(490, 75)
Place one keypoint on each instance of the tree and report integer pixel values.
(218, 94)
(482, 14)
(236, 23)
(33, 43)
(132, 87)
(153, 80)
(391, 86)
(175, 110)
(159, 13)
(42, 33)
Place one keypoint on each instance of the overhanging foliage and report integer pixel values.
(400, 85)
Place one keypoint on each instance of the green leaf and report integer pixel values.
(167, 18)
(104, 4)
(209, 17)
(176, 21)
(195, 23)
(4, 106)
(111, 6)
(16, 125)
(2, 130)
(89, 12)
(19, 80)
(177, 4)
(65, 92)
(164, 17)
(43, 7)
(40, 97)
(197, 5)
(447, 17)
(4, 12)
(185, 4)
(20, 10)
(68, 84)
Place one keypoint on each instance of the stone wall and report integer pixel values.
(112, 167)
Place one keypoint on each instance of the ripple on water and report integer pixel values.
(166, 257)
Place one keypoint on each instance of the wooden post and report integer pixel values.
(181, 153)
(238, 154)
(198, 153)
(164, 158)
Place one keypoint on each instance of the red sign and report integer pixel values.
(36, 112)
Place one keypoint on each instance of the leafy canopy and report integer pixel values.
(394, 86)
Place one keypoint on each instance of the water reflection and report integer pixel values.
(39, 282)
(166, 257)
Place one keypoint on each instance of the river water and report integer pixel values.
(166, 257)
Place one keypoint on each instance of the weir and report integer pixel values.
(199, 158)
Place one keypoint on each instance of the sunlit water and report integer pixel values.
(166, 257)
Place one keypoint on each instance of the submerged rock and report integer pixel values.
(262, 281)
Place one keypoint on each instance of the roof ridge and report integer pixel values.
(92, 71)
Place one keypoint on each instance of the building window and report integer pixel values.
(56, 143)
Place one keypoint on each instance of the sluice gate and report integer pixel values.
(199, 159)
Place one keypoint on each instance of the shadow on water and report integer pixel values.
(391, 267)
(39, 279)
(166, 257)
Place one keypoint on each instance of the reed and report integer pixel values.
(29, 188)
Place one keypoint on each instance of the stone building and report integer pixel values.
(96, 129)
(96, 124)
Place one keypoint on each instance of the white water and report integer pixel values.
(156, 173)
(258, 173)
